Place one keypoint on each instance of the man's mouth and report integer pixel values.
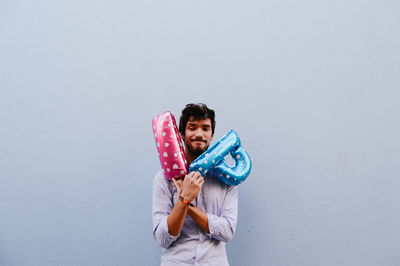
(198, 140)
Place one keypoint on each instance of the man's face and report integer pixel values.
(198, 135)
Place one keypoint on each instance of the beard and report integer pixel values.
(196, 151)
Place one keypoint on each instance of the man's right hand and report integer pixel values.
(191, 185)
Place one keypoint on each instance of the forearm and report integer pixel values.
(222, 226)
(200, 217)
(176, 218)
(188, 189)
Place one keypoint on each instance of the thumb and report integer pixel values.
(175, 182)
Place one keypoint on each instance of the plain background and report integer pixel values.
(311, 87)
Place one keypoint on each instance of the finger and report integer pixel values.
(189, 176)
(192, 173)
(200, 177)
(196, 175)
(177, 182)
(186, 177)
(199, 180)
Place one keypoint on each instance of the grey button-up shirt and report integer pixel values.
(193, 246)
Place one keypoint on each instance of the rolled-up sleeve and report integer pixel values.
(161, 207)
(222, 227)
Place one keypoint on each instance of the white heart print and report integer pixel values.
(166, 144)
(165, 154)
(175, 154)
(164, 134)
(175, 166)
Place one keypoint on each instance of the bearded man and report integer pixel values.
(195, 216)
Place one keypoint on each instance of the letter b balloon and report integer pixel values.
(212, 161)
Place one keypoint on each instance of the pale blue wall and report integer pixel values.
(310, 86)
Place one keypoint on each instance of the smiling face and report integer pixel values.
(198, 136)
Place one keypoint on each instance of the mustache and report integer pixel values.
(198, 139)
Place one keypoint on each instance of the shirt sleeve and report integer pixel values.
(161, 207)
(222, 227)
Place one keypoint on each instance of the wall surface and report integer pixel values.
(311, 87)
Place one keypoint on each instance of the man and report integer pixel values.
(194, 217)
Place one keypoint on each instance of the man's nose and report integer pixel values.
(199, 133)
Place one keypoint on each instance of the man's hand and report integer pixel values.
(178, 185)
(191, 185)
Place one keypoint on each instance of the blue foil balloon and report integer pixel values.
(212, 161)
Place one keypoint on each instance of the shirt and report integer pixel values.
(193, 246)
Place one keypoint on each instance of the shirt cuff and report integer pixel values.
(164, 227)
(212, 224)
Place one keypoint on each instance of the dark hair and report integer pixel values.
(199, 111)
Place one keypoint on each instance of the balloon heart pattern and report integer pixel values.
(169, 146)
(212, 161)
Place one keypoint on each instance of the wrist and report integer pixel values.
(186, 201)
(186, 196)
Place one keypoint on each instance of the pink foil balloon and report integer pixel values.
(169, 146)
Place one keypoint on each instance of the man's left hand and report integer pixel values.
(178, 184)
